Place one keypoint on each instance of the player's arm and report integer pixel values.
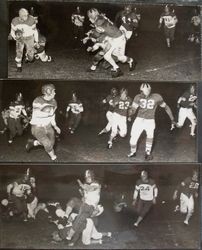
(135, 194)
(24, 111)
(133, 108)
(13, 30)
(81, 109)
(155, 189)
(160, 21)
(54, 125)
(168, 111)
(180, 99)
(178, 190)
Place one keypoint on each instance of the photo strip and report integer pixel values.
(80, 40)
(62, 121)
(100, 207)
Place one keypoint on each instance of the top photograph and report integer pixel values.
(103, 41)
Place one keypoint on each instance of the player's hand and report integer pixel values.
(85, 40)
(174, 196)
(89, 49)
(10, 37)
(129, 119)
(134, 203)
(154, 201)
(79, 182)
(57, 129)
(178, 106)
(173, 125)
(159, 26)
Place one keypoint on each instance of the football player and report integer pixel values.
(16, 110)
(170, 20)
(187, 191)
(78, 19)
(145, 104)
(121, 106)
(195, 25)
(43, 121)
(75, 106)
(147, 192)
(116, 41)
(109, 101)
(29, 36)
(90, 191)
(186, 103)
(128, 21)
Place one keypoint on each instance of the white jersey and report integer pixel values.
(92, 197)
(146, 189)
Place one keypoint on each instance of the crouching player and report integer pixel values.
(148, 192)
(40, 52)
(187, 191)
(43, 121)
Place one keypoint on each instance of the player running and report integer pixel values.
(121, 105)
(170, 20)
(16, 111)
(76, 108)
(43, 121)
(109, 101)
(147, 191)
(186, 103)
(145, 104)
(115, 40)
(187, 191)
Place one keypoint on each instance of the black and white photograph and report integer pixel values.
(67, 122)
(100, 207)
(103, 40)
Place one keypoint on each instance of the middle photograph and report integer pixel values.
(74, 121)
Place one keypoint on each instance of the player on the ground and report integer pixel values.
(121, 105)
(16, 110)
(26, 24)
(115, 40)
(43, 121)
(109, 101)
(186, 103)
(187, 191)
(127, 21)
(145, 104)
(144, 196)
(75, 106)
(170, 20)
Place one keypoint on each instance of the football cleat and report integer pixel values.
(109, 145)
(10, 142)
(135, 224)
(148, 157)
(186, 222)
(116, 73)
(19, 69)
(132, 64)
(29, 145)
(132, 155)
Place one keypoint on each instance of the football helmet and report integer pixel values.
(145, 88)
(92, 14)
(48, 89)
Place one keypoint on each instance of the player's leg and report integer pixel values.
(146, 206)
(31, 207)
(12, 129)
(77, 120)
(73, 204)
(183, 203)
(190, 209)
(191, 116)
(19, 127)
(109, 116)
(19, 54)
(122, 126)
(167, 36)
(138, 208)
(136, 131)
(149, 128)
(172, 34)
(49, 144)
(29, 44)
(114, 130)
(182, 115)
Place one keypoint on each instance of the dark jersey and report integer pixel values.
(129, 20)
(189, 186)
(147, 105)
(110, 102)
(122, 106)
(188, 100)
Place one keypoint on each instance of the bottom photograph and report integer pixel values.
(100, 207)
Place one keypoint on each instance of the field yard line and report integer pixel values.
(172, 65)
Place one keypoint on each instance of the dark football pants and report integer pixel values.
(74, 121)
(45, 136)
(15, 127)
(143, 207)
